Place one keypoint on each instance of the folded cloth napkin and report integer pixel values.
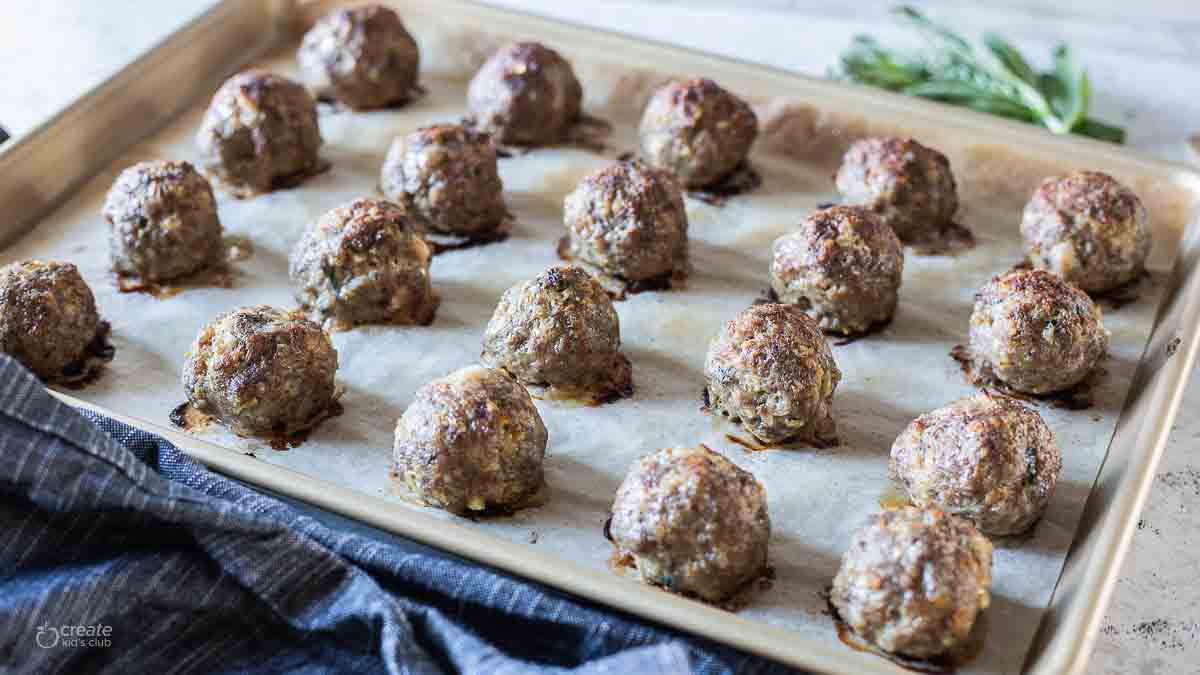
(119, 553)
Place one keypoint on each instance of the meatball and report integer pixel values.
(471, 441)
(693, 522)
(843, 267)
(986, 458)
(1035, 332)
(628, 221)
(771, 369)
(1087, 228)
(558, 329)
(163, 221)
(526, 94)
(697, 130)
(47, 316)
(363, 263)
(260, 369)
(260, 132)
(913, 581)
(909, 186)
(445, 177)
(362, 56)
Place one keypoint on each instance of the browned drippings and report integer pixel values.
(589, 133)
(1125, 294)
(874, 329)
(443, 243)
(752, 447)
(189, 418)
(619, 288)
(239, 191)
(626, 156)
(950, 239)
(743, 180)
(217, 275)
(1078, 397)
(90, 366)
(959, 656)
(326, 98)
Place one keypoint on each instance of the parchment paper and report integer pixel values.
(817, 497)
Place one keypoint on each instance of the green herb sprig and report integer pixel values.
(989, 75)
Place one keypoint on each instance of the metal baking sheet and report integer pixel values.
(817, 497)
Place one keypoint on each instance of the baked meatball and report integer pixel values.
(693, 522)
(163, 221)
(842, 266)
(445, 177)
(1087, 228)
(697, 131)
(771, 369)
(558, 329)
(526, 94)
(260, 132)
(1036, 332)
(260, 369)
(909, 186)
(47, 316)
(361, 56)
(363, 263)
(986, 458)
(471, 441)
(913, 581)
(628, 221)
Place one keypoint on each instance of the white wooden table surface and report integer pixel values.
(1144, 61)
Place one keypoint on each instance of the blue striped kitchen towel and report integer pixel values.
(120, 554)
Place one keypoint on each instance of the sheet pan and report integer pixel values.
(817, 497)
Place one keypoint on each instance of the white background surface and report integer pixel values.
(1144, 62)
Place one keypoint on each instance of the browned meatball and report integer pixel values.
(697, 130)
(362, 56)
(526, 94)
(445, 176)
(908, 185)
(364, 263)
(628, 221)
(984, 457)
(558, 329)
(1087, 228)
(471, 441)
(260, 132)
(163, 221)
(1036, 332)
(260, 369)
(771, 369)
(47, 316)
(913, 581)
(693, 522)
(842, 266)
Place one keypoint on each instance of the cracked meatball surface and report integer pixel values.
(163, 221)
(913, 581)
(984, 457)
(260, 369)
(842, 266)
(361, 56)
(558, 329)
(471, 441)
(260, 132)
(445, 176)
(1087, 228)
(909, 186)
(1037, 333)
(526, 94)
(628, 221)
(47, 316)
(364, 263)
(693, 522)
(697, 131)
(771, 369)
